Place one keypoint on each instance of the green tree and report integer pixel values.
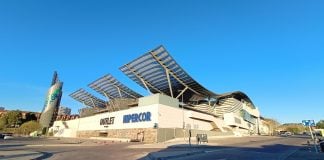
(294, 129)
(14, 118)
(29, 127)
(3, 122)
(320, 124)
(30, 117)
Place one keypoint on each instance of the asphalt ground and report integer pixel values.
(248, 148)
(65, 148)
(225, 148)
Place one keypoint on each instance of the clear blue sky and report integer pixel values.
(271, 50)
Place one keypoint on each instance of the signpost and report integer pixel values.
(309, 124)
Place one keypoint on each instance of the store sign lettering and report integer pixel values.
(137, 117)
(107, 121)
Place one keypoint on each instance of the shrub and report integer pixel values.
(29, 127)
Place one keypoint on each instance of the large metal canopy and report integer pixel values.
(111, 88)
(88, 99)
(158, 72)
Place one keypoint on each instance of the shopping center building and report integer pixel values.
(176, 105)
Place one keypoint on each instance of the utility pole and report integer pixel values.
(310, 123)
(310, 129)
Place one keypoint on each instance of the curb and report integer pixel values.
(60, 145)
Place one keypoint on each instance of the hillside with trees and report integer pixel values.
(19, 122)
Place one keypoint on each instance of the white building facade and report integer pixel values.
(156, 119)
(159, 117)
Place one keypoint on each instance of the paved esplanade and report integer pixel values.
(228, 148)
(279, 148)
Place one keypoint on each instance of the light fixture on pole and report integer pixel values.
(183, 122)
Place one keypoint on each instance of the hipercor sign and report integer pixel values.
(137, 117)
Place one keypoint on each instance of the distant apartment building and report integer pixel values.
(64, 110)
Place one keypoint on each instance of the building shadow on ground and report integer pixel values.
(273, 150)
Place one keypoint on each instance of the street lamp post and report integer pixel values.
(183, 121)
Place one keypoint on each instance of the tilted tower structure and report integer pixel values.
(52, 103)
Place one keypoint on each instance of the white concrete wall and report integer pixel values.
(69, 128)
(264, 128)
(199, 120)
(229, 119)
(93, 122)
(65, 129)
(170, 117)
(158, 99)
(164, 116)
